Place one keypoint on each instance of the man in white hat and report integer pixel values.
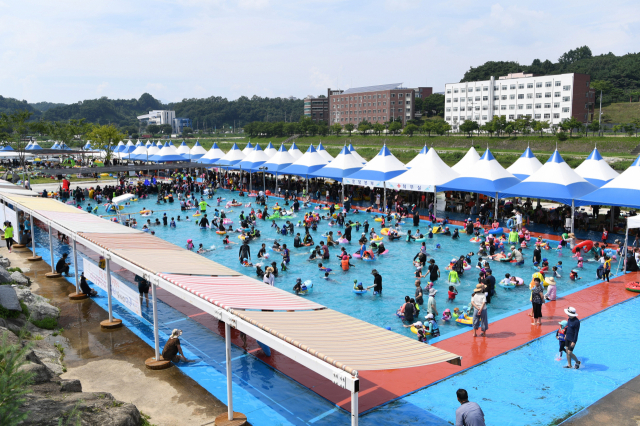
(172, 348)
(571, 336)
(431, 303)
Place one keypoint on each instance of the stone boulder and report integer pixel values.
(5, 276)
(20, 278)
(4, 262)
(41, 373)
(39, 307)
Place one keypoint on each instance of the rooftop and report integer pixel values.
(373, 88)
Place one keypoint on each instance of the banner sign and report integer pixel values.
(412, 187)
(363, 182)
(119, 290)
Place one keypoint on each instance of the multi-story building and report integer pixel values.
(317, 108)
(180, 123)
(552, 98)
(376, 104)
(165, 117)
(424, 92)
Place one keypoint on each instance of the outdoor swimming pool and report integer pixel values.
(395, 267)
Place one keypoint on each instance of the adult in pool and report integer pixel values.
(377, 283)
(244, 252)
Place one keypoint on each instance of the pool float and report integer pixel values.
(436, 229)
(384, 231)
(104, 174)
(343, 241)
(496, 231)
(95, 208)
(71, 202)
(585, 245)
(414, 330)
(197, 214)
(134, 199)
(465, 321)
(144, 211)
(508, 285)
(373, 240)
(360, 291)
(276, 207)
(378, 219)
(384, 252)
(634, 287)
(326, 208)
(325, 269)
(225, 221)
(248, 205)
(253, 195)
(221, 232)
(308, 288)
(419, 240)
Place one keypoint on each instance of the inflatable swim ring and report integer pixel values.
(373, 240)
(384, 252)
(378, 219)
(221, 232)
(359, 291)
(634, 287)
(585, 245)
(142, 211)
(476, 240)
(384, 231)
(496, 231)
(309, 288)
(225, 221)
(465, 321)
(415, 330)
(419, 240)
(196, 214)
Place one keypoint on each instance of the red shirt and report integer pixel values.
(452, 295)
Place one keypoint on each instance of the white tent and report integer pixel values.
(418, 158)
(184, 150)
(140, 153)
(234, 156)
(254, 160)
(525, 166)
(119, 147)
(306, 165)
(622, 191)
(167, 153)
(295, 152)
(152, 150)
(213, 155)
(469, 159)
(358, 157)
(323, 152)
(197, 151)
(247, 149)
(596, 170)
(280, 161)
(270, 150)
(428, 172)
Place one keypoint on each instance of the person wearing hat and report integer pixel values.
(560, 335)
(432, 326)
(269, 278)
(551, 289)
(377, 283)
(431, 302)
(479, 303)
(571, 336)
(84, 286)
(172, 348)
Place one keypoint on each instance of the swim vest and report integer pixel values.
(345, 264)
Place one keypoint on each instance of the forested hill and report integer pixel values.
(623, 72)
(9, 105)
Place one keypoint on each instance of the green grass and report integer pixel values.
(46, 323)
(621, 112)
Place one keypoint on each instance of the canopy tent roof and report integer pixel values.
(418, 158)
(197, 151)
(470, 158)
(56, 145)
(232, 157)
(28, 146)
(183, 149)
(65, 146)
(381, 168)
(119, 147)
(295, 152)
(427, 174)
(148, 144)
(254, 160)
(159, 144)
(485, 176)
(270, 150)
(596, 170)
(247, 149)
(555, 181)
(525, 166)
(167, 153)
(357, 156)
(622, 191)
(306, 165)
(212, 156)
(7, 148)
(279, 161)
(343, 165)
(87, 146)
(129, 147)
(152, 150)
(140, 153)
(323, 153)
(34, 145)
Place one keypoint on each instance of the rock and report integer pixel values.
(5, 276)
(12, 339)
(9, 299)
(20, 278)
(4, 262)
(71, 386)
(39, 307)
(41, 373)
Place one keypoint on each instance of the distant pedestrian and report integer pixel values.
(571, 336)
(8, 234)
(479, 303)
(468, 413)
(172, 348)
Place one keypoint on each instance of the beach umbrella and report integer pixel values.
(596, 170)
(526, 165)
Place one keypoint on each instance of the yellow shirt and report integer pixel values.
(8, 232)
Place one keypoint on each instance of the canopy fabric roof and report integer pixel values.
(44, 204)
(306, 165)
(8, 148)
(151, 151)
(465, 162)
(183, 149)
(323, 153)
(596, 170)
(241, 292)
(555, 181)
(622, 191)
(119, 147)
(86, 222)
(167, 153)
(8, 187)
(280, 161)
(197, 151)
(129, 241)
(383, 167)
(343, 165)
(295, 152)
(247, 149)
(427, 174)
(140, 153)
(56, 145)
(357, 156)
(171, 261)
(485, 176)
(33, 146)
(232, 157)
(254, 160)
(346, 342)
(213, 155)
(418, 158)
(270, 150)
(525, 166)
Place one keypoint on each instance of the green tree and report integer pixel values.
(312, 128)
(629, 128)
(441, 127)
(378, 128)
(13, 382)
(336, 128)
(594, 126)
(364, 127)
(509, 128)
(15, 127)
(636, 124)
(468, 127)
(349, 127)
(488, 127)
(562, 135)
(186, 131)
(394, 127)
(410, 129)
(570, 124)
(105, 138)
(166, 129)
(323, 129)
(427, 127)
(418, 104)
(153, 129)
(434, 105)
(617, 128)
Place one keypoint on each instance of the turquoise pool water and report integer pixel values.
(395, 267)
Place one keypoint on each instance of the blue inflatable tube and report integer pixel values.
(359, 291)
(496, 231)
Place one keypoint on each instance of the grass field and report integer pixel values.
(622, 112)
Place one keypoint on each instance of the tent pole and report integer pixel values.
(384, 191)
(342, 192)
(75, 265)
(154, 302)
(354, 408)
(626, 243)
(573, 212)
(435, 204)
(612, 221)
(227, 341)
(108, 268)
(496, 218)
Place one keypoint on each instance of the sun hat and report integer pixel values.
(429, 316)
(432, 292)
(417, 323)
(551, 281)
(563, 323)
(571, 311)
(175, 333)
(374, 271)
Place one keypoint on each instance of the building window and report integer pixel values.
(529, 85)
(511, 117)
(512, 97)
(538, 95)
(512, 107)
(496, 87)
(537, 116)
(454, 100)
(565, 109)
(485, 88)
(547, 84)
(504, 87)
(495, 107)
(455, 108)
(566, 98)
(547, 94)
(556, 105)
(478, 89)
(520, 106)
(448, 109)
(529, 95)
(547, 115)
(408, 102)
(556, 95)
(566, 88)
(477, 117)
(393, 95)
(504, 97)
(556, 115)
(496, 98)
(484, 117)
(512, 87)
(462, 108)
(448, 118)
(454, 91)
(399, 95)
(539, 84)
(485, 98)
(547, 105)
(538, 106)
(478, 108)
(558, 84)
(463, 90)
(521, 96)
(394, 102)
(503, 107)
(469, 117)
(399, 109)
(529, 106)
(484, 107)
(407, 95)
(521, 86)
(477, 98)
(408, 109)
(455, 118)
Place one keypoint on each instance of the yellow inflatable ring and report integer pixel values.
(376, 239)
(221, 232)
(415, 330)
(378, 219)
(466, 320)
(196, 215)
(242, 237)
(104, 174)
(276, 208)
(145, 211)
(384, 231)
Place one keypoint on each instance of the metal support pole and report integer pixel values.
(384, 191)
(496, 218)
(75, 266)
(53, 265)
(354, 408)
(108, 269)
(573, 211)
(435, 204)
(227, 341)
(154, 301)
(33, 236)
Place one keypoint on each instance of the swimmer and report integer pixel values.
(357, 285)
(452, 293)
(173, 223)
(190, 245)
(446, 315)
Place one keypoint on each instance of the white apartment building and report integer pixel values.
(552, 98)
(159, 117)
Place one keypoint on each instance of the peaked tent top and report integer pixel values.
(184, 149)
(197, 151)
(167, 153)
(427, 173)
(382, 167)
(233, 157)
(213, 155)
(254, 160)
(247, 149)
(357, 156)
(622, 191)
(279, 161)
(343, 165)
(417, 159)
(323, 152)
(596, 170)
(270, 150)
(295, 152)
(525, 166)
(306, 165)
(465, 162)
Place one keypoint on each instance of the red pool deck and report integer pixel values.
(380, 387)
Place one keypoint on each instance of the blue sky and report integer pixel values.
(70, 50)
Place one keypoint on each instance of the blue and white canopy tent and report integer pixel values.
(197, 151)
(119, 147)
(323, 153)
(306, 165)
(295, 152)
(148, 144)
(7, 147)
(345, 164)
(212, 156)
(128, 149)
(167, 153)
(278, 162)
(87, 147)
(485, 176)
(469, 159)
(64, 146)
(233, 157)
(151, 151)
(253, 162)
(554, 181)
(596, 170)
(247, 149)
(383, 167)
(141, 153)
(418, 158)
(357, 156)
(56, 145)
(525, 166)
(184, 150)
(270, 150)
(34, 145)
(28, 147)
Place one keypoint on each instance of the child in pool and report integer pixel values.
(560, 333)
(506, 280)
(555, 272)
(190, 245)
(246, 263)
(452, 293)
(559, 264)
(456, 313)
(201, 249)
(446, 315)
(573, 276)
(298, 286)
(357, 285)
(580, 264)
(479, 264)
(366, 255)
(323, 268)
(225, 240)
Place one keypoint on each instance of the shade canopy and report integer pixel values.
(247, 149)
(183, 149)
(357, 156)
(7, 148)
(555, 181)
(471, 157)
(197, 151)
(427, 173)
(213, 155)
(323, 153)
(233, 157)
(622, 191)
(279, 161)
(119, 147)
(343, 165)
(596, 170)
(254, 160)
(485, 176)
(418, 158)
(381, 168)
(306, 165)
(167, 153)
(525, 166)
(140, 153)
(270, 150)
(34, 145)
(295, 152)
(152, 150)
(148, 144)
(56, 145)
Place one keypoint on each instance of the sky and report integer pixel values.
(71, 50)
